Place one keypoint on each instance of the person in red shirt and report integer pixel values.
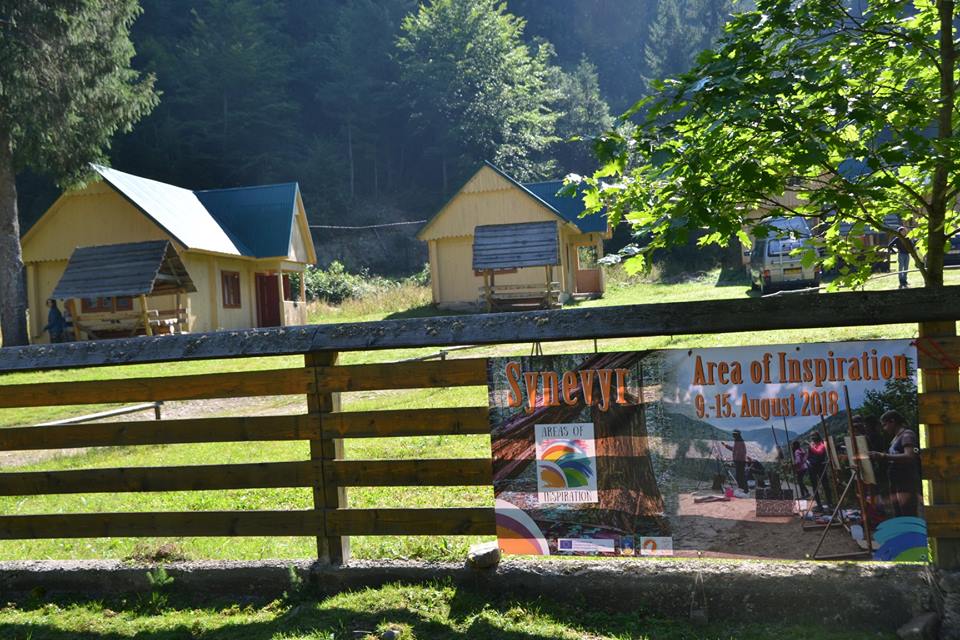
(816, 464)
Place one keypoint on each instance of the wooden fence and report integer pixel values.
(322, 379)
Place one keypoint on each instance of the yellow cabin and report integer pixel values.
(239, 247)
(491, 197)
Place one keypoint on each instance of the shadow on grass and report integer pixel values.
(733, 277)
(437, 612)
(423, 311)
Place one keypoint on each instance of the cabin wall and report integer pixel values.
(94, 216)
(456, 283)
(205, 309)
(487, 198)
(299, 250)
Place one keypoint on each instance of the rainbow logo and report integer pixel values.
(517, 533)
(564, 464)
(902, 539)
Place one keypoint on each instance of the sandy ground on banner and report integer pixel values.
(733, 530)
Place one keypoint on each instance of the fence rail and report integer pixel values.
(325, 426)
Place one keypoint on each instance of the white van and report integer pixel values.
(775, 264)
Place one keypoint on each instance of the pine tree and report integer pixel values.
(66, 88)
(584, 114)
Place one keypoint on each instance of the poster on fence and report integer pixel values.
(727, 452)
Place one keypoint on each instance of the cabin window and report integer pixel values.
(230, 283)
(106, 305)
(587, 257)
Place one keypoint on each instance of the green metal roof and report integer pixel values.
(570, 208)
(259, 218)
(255, 222)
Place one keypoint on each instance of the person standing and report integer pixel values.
(903, 464)
(816, 465)
(739, 450)
(902, 245)
(55, 322)
(800, 466)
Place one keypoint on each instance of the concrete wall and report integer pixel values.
(845, 596)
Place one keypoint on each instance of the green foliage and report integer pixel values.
(811, 110)
(584, 114)
(476, 89)
(226, 110)
(334, 284)
(898, 395)
(66, 86)
(160, 585)
(422, 278)
(159, 579)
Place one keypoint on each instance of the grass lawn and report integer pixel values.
(434, 612)
(620, 291)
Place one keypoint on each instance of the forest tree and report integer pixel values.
(66, 87)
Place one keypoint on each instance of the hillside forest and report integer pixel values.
(380, 109)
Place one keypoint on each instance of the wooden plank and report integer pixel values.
(938, 353)
(134, 479)
(403, 375)
(327, 494)
(108, 434)
(161, 524)
(942, 463)
(941, 389)
(939, 407)
(406, 422)
(238, 384)
(410, 473)
(853, 308)
(412, 522)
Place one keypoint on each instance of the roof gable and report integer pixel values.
(178, 211)
(261, 218)
(543, 194)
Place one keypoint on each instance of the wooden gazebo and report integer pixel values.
(116, 274)
(510, 248)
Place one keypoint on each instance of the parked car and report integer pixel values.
(775, 264)
(953, 251)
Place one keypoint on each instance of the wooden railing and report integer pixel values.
(325, 427)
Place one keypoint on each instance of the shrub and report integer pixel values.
(333, 285)
(422, 277)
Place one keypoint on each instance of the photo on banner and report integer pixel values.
(728, 452)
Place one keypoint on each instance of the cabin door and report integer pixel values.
(268, 301)
(587, 269)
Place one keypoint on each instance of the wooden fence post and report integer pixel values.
(943, 491)
(326, 494)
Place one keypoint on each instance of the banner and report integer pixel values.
(736, 452)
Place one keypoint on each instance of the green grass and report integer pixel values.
(433, 612)
(621, 290)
